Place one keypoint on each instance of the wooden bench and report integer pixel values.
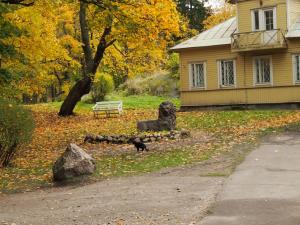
(109, 107)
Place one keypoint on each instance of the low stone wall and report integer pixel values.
(127, 139)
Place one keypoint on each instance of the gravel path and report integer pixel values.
(170, 197)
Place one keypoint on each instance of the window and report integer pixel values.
(197, 75)
(263, 70)
(226, 70)
(256, 20)
(296, 69)
(263, 19)
(269, 19)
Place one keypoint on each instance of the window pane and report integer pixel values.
(297, 69)
(193, 74)
(266, 70)
(269, 20)
(263, 70)
(197, 75)
(223, 73)
(227, 73)
(230, 72)
(257, 68)
(256, 20)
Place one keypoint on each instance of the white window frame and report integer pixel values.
(253, 19)
(296, 81)
(262, 19)
(254, 71)
(220, 74)
(191, 78)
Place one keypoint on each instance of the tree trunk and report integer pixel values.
(90, 66)
(81, 88)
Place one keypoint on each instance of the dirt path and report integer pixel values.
(173, 196)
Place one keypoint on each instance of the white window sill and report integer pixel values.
(297, 82)
(197, 88)
(227, 87)
(263, 85)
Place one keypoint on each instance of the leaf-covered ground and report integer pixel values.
(32, 166)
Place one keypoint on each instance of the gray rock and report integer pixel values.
(185, 134)
(109, 139)
(153, 139)
(137, 140)
(74, 162)
(89, 138)
(99, 138)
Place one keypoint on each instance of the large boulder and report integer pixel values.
(166, 119)
(74, 162)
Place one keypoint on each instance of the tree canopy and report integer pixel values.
(58, 46)
(194, 11)
(220, 15)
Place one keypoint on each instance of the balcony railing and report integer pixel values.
(258, 40)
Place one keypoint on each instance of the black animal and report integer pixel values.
(139, 145)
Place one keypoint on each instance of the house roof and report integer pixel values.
(221, 35)
(217, 35)
(295, 30)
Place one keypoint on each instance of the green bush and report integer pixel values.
(16, 127)
(103, 85)
(160, 84)
(172, 66)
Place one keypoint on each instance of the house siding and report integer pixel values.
(293, 11)
(283, 88)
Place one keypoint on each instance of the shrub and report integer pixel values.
(160, 84)
(103, 85)
(172, 66)
(16, 127)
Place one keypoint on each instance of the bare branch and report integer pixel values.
(18, 2)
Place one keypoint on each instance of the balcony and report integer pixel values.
(258, 40)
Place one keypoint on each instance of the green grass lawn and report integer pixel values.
(129, 102)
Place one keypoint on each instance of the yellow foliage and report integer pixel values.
(51, 46)
(222, 14)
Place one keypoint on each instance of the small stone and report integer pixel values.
(89, 138)
(185, 134)
(99, 138)
(109, 139)
(153, 139)
(176, 136)
(137, 140)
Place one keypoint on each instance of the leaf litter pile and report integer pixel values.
(212, 133)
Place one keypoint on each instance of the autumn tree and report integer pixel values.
(47, 46)
(220, 15)
(124, 25)
(195, 11)
(8, 51)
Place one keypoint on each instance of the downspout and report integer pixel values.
(245, 82)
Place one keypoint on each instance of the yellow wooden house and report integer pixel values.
(252, 59)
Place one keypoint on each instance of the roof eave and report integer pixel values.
(195, 47)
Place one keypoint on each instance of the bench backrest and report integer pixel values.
(108, 105)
